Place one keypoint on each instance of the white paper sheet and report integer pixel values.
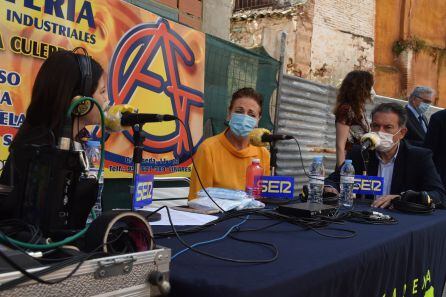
(181, 218)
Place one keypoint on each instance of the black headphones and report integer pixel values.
(414, 202)
(85, 68)
(116, 232)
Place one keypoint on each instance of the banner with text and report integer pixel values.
(153, 64)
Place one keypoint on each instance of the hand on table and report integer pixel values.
(331, 190)
(384, 201)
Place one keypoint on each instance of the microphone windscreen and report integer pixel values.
(114, 114)
(255, 137)
(373, 138)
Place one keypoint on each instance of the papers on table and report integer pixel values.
(181, 218)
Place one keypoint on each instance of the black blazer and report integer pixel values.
(413, 170)
(415, 134)
(436, 141)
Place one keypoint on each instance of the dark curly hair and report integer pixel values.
(355, 91)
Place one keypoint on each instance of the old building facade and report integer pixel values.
(403, 41)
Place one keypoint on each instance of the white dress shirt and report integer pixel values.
(385, 170)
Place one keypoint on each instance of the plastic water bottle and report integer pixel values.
(346, 184)
(93, 152)
(317, 176)
(253, 170)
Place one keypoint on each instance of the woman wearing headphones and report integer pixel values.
(62, 77)
(222, 160)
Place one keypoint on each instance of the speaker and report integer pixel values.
(84, 61)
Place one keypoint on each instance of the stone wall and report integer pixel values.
(263, 28)
(343, 39)
(325, 39)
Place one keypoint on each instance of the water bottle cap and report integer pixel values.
(347, 161)
(257, 161)
(93, 143)
(317, 159)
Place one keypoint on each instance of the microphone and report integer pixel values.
(121, 115)
(130, 119)
(261, 137)
(370, 141)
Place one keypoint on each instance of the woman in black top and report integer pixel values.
(59, 80)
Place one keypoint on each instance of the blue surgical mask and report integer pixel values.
(423, 107)
(242, 124)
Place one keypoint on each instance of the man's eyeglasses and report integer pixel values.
(424, 100)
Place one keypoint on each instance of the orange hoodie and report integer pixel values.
(221, 165)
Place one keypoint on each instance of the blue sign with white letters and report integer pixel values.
(280, 187)
(143, 190)
(368, 185)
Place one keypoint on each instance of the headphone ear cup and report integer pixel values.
(83, 108)
(426, 199)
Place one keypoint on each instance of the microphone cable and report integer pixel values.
(191, 144)
(365, 160)
(368, 217)
(210, 255)
(306, 223)
(303, 165)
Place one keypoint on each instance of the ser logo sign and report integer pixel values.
(143, 190)
(131, 71)
(368, 185)
(279, 187)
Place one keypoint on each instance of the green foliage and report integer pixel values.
(414, 43)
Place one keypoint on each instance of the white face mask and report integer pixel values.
(386, 141)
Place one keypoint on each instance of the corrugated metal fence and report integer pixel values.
(306, 113)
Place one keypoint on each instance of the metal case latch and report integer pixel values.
(114, 267)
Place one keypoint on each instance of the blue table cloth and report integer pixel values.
(406, 259)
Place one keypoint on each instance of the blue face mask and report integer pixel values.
(423, 107)
(241, 124)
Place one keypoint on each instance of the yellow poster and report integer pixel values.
(153, 64)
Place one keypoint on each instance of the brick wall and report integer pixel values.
(343, 38)
(190, 12)
(354, 16)
(170, 3)
(326, 38)
(263, 28)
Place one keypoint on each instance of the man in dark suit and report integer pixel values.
(403, 166)
(419, 102)
(436, 141)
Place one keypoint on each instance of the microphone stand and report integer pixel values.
(138, 147)
(364, 171)
(138, 140)
(273, 159)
